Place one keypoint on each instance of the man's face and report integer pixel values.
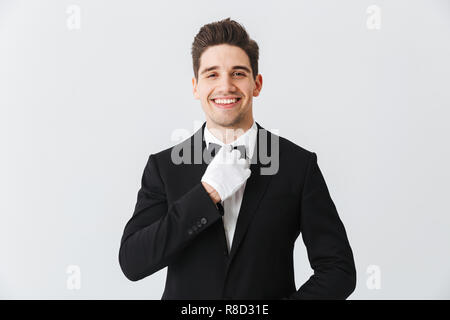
(226, 87)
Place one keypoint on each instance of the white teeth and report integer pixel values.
(225, 101)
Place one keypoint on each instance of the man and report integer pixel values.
(223, 226)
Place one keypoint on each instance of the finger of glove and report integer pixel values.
(222, 157)
(235, 155)
(242, 162)
(247, 173)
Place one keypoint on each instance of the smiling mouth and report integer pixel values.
(226, 103)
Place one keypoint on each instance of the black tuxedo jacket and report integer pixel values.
(175, 224)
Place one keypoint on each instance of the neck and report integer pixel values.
(230, 133)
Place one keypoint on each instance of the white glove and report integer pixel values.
(227, 172)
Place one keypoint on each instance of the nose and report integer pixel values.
(226, 84)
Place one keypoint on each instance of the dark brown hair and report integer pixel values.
(224, 32)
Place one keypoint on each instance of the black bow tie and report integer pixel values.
(213, 148)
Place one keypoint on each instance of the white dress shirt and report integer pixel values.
(232, 204)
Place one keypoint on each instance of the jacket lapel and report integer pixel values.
(198, 145)
(254, 191)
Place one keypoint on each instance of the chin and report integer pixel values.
(226, 122)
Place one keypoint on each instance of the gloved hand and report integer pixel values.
(227, 172)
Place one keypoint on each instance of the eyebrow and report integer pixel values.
(234, 68)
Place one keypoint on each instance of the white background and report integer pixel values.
(82, 109)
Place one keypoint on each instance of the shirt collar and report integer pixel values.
(248, 139)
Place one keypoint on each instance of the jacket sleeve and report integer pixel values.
(156, 233)
(324, 236)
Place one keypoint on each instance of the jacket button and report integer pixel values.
(194, 228)
(199, 224)
(190, 232)
(203, 221)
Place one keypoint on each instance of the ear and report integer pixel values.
(258, 85)
(194, 88)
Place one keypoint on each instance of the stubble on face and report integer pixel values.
(225, 121)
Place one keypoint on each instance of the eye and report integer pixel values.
(211, 75)
(239, 73)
